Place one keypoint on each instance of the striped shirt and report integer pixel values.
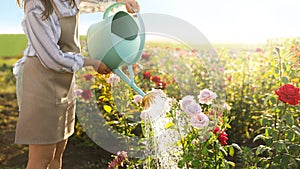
(43, 35)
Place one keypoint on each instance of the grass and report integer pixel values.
(12, 44)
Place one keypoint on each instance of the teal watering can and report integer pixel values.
(118, 41)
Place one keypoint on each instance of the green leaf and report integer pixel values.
(204, 150)
(273, 100)
(195, 163)
(231, 151)
(267, 132)
(289, 119)
(188, 157)
(277, 159)
(284, 80)
(107, 108)
(94, 87)
(284, 66)
(236, 146)
(267, 99)
(180, 163)
(170, 125)
(227, 126)
(268, 141)
(259, 137)
(231, 163)
(224, 152)
(279, 146)
(290, 135)
(296, 129)
(276, 70)
(169, 115)
(261, 149)
(274, 134)
(293, 161)
(270, 99)
(265, 121)
(284, 160)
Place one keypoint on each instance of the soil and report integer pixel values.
(79, 154)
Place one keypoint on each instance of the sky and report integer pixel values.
(221, 21)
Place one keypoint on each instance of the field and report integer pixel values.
(261, 126)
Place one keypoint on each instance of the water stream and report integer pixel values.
(161, 142)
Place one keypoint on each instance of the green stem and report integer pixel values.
(275, 120)
(215, 155)
(280, 70)
(183, 148)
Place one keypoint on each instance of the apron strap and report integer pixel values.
(55, 9)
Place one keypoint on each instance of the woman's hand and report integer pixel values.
(102, 68)
(132, 6)
(98, 66)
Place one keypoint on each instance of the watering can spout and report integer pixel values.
(130, 81)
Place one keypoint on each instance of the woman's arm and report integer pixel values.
(90, 6)
(42, 38)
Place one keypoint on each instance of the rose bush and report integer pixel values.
(280, 125)
(263, 116)
(203, 143)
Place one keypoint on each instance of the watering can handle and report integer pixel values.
(106, 13)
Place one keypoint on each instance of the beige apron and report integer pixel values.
(46, 101)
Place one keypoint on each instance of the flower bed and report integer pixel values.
(261, 87)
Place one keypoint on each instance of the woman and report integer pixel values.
(45, 77)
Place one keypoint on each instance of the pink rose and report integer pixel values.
(226, 107)
(185, 101)
(113, 78)
(137, 98)
(78, 92)
(192, 109)
(259, 50)
(206, 96)
(200, 120)
(146, 56)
